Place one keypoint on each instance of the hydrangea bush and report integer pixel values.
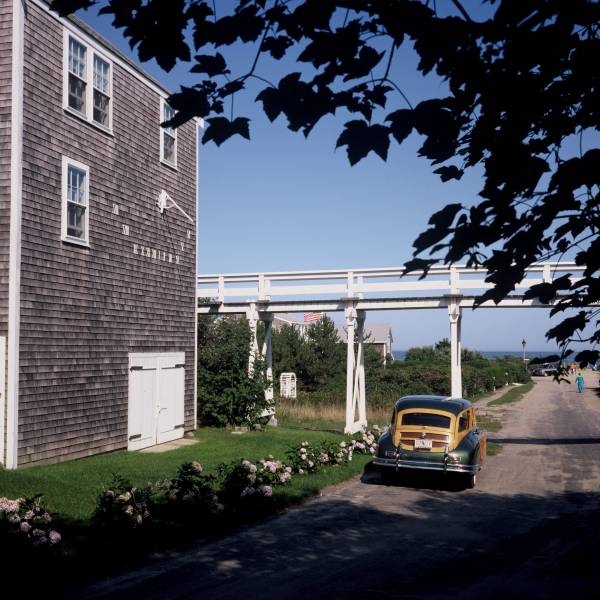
(303, 458)
(365, 441)
(192, 489)
(123, 506)
(27, 523)
(245, 483)
(306, 458)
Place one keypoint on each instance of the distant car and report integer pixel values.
(544, 371)
(433, 433)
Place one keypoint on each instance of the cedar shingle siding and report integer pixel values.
(84, 309)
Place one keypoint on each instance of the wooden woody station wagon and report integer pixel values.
(97, 246)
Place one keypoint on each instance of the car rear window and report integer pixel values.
(428, 419)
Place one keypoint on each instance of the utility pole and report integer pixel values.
(524, 363)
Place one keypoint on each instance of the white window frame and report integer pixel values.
(66, 163)
(163, 160)
(91, 52)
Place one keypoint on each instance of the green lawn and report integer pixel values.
(488, 423)
(513, 395)
(71, 488)
(493, 448)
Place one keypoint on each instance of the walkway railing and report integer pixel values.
(363, 283)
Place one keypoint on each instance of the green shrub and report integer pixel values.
(191, 495)
(227, 394)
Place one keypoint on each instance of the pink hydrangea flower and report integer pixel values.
(9, 506)
(55, 537)
(25, 527)
(268, 491)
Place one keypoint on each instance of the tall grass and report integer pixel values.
(326, 414)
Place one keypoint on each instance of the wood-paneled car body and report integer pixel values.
(433, 433)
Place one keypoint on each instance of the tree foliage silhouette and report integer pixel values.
(523, 92)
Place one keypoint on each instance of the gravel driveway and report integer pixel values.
(529, 530)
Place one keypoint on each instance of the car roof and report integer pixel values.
(451, 405)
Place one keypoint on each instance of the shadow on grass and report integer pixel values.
(318, 428)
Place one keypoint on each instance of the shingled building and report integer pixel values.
(97, 246)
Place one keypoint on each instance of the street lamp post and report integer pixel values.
(524, 363)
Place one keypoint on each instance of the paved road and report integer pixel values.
(529, 530)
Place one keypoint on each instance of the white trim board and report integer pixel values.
(14, 270)
(2, 396)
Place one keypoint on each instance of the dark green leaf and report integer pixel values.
(360, 138)
(211, 65)
(220, 129)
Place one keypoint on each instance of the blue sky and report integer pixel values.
(283, 202)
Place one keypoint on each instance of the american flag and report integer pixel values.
(309, 317)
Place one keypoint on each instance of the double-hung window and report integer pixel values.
(88, 83)
(168, 137)
(75, 202)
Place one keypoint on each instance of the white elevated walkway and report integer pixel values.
(355, 291)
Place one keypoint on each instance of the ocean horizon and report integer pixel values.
(400, 354)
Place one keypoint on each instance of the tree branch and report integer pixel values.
(462, 11)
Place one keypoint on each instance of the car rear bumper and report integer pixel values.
(425, 465)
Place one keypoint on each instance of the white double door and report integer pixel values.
(156, 398)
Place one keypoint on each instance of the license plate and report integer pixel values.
(426, 444)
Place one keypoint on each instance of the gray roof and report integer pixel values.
(292, 317)
(376, 333)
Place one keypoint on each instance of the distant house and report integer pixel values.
(97, 246)
(377, 336)
(293, 320)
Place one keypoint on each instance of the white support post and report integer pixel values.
(267, 353)
(350, 325)
(454, 312)
(355, 371)
(360, 368)
(252, 316)
(221, 288)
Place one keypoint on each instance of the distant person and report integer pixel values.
(579, 382)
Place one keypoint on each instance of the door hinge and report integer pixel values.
(137, 436)
(181, 366)
(136, 368)
(180, 426)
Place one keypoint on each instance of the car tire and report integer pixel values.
(470, 481)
